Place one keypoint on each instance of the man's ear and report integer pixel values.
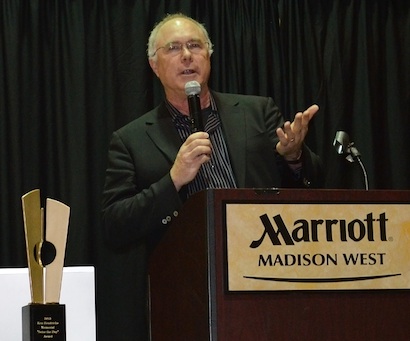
(153, 65)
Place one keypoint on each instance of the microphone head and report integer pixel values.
(192, 88)
(341, 142)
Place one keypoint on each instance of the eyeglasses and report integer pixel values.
(175, 47)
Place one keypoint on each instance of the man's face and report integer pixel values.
(175, 68)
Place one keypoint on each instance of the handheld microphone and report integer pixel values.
(192, 90)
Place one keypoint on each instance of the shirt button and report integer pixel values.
(168, 218)
(164, 221)
(175, 213)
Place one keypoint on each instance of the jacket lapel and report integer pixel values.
(233, 125)
(162, 132)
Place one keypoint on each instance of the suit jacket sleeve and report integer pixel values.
(139, 197)
(311, 174)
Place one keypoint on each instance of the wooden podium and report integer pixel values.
(190, 300)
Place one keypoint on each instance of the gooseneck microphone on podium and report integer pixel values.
(192, 90)
(345, 147)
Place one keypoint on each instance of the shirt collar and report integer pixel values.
(177, 115)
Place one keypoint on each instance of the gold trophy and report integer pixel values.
(44, 317)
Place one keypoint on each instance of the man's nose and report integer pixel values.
(186, 52)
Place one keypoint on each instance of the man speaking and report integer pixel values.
(156, 162)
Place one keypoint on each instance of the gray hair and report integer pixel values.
(154, 33)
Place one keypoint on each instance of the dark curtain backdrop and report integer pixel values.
(73, 71)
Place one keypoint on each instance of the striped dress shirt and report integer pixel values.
(217, 173)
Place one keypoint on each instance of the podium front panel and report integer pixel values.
(207, 310)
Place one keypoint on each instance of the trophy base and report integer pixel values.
(44, 322)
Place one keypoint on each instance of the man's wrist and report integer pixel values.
(294, 158)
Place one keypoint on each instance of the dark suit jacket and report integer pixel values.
(140, 200)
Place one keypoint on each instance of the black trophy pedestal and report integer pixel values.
(44, 322)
